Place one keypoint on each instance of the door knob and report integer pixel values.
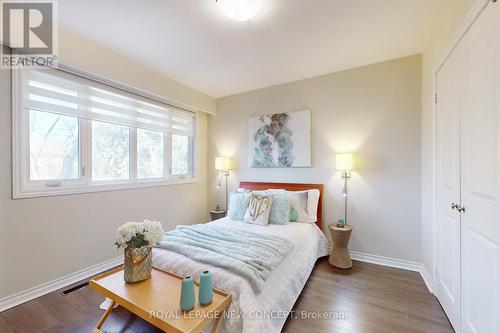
(461, 209)
(454, 205)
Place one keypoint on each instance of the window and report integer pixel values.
(150, 154)
(73, 134)
(54, 149)
(180, 154)
(110, 151)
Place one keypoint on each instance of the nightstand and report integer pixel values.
(217, 214)
(340, 256)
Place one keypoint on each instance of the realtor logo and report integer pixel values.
(28, 33)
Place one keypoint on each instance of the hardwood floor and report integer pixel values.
(378, 299)
(371, 298)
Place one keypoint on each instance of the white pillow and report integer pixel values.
(306, 205)
(270, 191)
(312, 204)
(259, 209)
(299, 206)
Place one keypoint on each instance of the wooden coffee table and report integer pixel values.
(159, 295)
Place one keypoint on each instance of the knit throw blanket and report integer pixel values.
(245, 253)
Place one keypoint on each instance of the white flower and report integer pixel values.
(153, 232)
(126, 232)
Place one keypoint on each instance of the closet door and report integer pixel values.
(481, 176)
(450, 92)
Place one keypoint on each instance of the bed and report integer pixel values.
(268, 310)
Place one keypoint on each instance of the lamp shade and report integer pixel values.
(240, 10)
(343, 162)
(223, 163)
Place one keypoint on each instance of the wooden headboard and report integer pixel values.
(290, 187)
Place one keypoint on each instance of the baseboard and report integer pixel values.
(396, 263)
(386, 261)
(427, 277)
(48, 287)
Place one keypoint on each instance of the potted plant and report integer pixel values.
(137, 238)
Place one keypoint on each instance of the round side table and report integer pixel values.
(217, 214)
(340, 256)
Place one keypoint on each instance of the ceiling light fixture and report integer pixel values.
(240, 10)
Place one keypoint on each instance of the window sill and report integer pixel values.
(68, 190)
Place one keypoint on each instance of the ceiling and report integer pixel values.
(191, 41)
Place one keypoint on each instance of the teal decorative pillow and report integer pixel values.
(238, 204)
(294, 217)
(280, 211)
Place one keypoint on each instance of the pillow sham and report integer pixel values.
(305, 203)
(280, 210)
(312, 204)
(238, 204)
(258, 210)
(270, 191)
(298, 206)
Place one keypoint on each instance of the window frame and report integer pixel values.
(24, 187)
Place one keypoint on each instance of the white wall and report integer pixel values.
(373, 111)
(42, 239)
(448, 22)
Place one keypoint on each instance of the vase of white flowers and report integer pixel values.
(137, 238)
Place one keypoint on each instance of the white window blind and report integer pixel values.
(59, 92)
(73, 134)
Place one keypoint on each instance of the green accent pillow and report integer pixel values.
(294, 217)
(280, 210)
(238, 204)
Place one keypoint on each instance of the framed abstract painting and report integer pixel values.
(280, 140)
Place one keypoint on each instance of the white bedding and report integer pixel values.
(282, 288)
